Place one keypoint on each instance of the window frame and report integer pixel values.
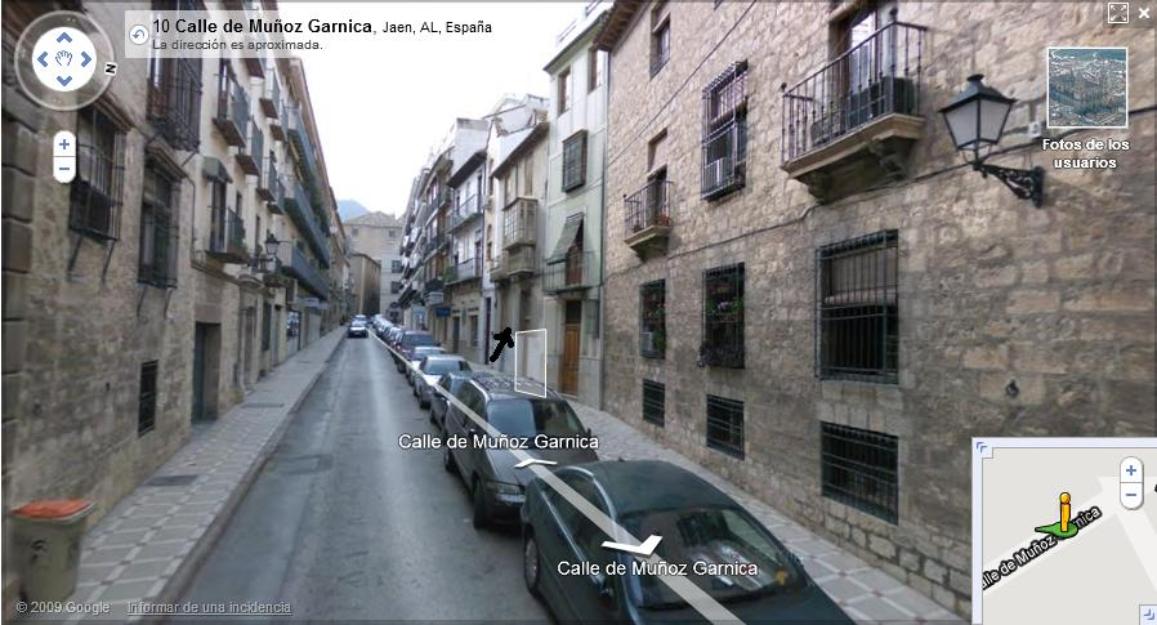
(654, 409)
(660, 44)
(856, 315)
(732, 353)
(649, 292)
(724, 103)
(885, 502)
(147, 397)
(574, 161)
(87, 187)
(564, 91)
(160, 228)
(737, 439)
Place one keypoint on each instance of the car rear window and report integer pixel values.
(418, 339)
(446, 365)
(531, 417)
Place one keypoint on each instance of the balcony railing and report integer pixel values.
(232, 108)
(271, 97)
(296, 263)
(878, 77)
(303, 149)
(648, 213)
(269, 185)
(576, 272)
(249, 155)
(434, 243)
(518, 217)
(299, 208)
(464, 213)
(463, 271)
(227, 237)
(175, 101)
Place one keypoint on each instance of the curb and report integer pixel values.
(178, 582)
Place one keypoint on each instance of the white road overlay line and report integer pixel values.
(1108, 501)
(695, 596)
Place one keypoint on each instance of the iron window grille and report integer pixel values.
(653, 319)
(723, 317)
(857, 311)
(574, 161)
(95, 193)
(649, 206)
(175, 100)
(725, 425)
(860, 468)
(724, 139)
(157, 264)
(395, 266)
(654, 400)
(147, 398)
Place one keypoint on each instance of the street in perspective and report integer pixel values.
(636, 311)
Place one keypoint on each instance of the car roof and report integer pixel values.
(501, 386)
(443, 356)
(642, 485)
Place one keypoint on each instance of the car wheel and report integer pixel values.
(424, 403)
(479, 519)
(447, 457)
(531, 563)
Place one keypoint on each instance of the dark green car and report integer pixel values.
(701, 529)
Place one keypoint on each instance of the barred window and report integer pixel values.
(860, 468)
(653, 319)
(660, 43)
(147, 398)
(157, 263)
(175, 100)
(857, 309)
(395, 266)
(395, 287)
(724, 138)
(564, 90)
(654, 400)
(723, 318)
(95, 194)
(725, 425)
(574, 161)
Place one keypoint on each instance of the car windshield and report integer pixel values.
(438, 366)
(711, 536)
(526, 417)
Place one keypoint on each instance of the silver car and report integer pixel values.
(417, 354)
(430, 371)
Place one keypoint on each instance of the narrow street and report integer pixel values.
(342, 524)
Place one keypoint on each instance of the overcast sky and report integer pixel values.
(383, 102)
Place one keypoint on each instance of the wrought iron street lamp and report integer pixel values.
(267, 263)
(976, 119)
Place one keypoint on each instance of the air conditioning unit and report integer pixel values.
(716, 173)
(648, 341)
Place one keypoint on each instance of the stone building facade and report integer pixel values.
(746, 234)
(365, 280)
(379, 236)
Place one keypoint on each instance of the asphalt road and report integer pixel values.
(343, 524)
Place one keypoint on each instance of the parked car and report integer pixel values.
(358, 329)
(697, 522)
(496, 487)
(416, 356)
(450, 382)
(391, 333)
(429, 370)
(405, 344)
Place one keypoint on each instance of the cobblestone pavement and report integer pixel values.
(150, 541)
(867, 594)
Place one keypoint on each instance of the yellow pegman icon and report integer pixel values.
(1066, 512)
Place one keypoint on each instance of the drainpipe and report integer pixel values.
(603, 250)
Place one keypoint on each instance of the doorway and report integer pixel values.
(206, 370)
(572, 329)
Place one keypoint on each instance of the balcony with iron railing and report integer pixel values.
(303, 149)
(298, 205)
(227, 236)
(232, 117)
(464, 213)
(856, 118)
(577, 271)
(518, 223)
(269, 185)
(648, 216)
(271, 97)
(175, 101)
(434, 243)
(297, 264)
(461, 272)
(249, 155)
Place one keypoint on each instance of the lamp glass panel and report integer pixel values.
(962, 124)
(992, 116)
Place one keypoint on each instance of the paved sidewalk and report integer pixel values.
(151, 541)
(867, 594)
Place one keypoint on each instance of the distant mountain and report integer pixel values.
(348, 209)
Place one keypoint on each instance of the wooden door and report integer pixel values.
(568, 378)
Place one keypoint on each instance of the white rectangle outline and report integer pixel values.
(1049, 91)
(990, 445)
(545, 339)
